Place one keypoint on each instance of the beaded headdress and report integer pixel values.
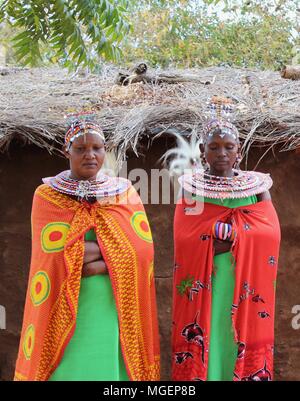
(81, 124)
(219, 114)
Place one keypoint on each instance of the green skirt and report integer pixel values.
(94, 351)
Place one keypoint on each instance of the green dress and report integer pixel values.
(222, 347)
(94, 351)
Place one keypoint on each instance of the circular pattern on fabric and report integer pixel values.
(39, 288)
(141, 226)
(54, 236)
(28, 343)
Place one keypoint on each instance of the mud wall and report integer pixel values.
(20, 173)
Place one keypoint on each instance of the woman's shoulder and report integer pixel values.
(45, 192)
(264, 182)
(264, 196)
(42, 189)
(257, 173)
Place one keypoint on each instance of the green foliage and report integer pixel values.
(72, 33)
(184, 33)
(178, 33)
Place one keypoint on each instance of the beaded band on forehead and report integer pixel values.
(219, 112)
(224, 126)
(81, 127)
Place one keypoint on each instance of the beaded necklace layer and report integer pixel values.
(104, 187)
(241, 185)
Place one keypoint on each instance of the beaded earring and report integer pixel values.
(237, 162)
(204, 163)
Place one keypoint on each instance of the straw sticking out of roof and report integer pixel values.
(33, 104)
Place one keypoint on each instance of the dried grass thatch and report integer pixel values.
(34, 101)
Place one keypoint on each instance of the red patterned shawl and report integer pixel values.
(256, 253)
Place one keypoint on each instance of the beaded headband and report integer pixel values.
(81, 124)
(220, 110)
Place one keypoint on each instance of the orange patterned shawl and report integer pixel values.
(59, 224)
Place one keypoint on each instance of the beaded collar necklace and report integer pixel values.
(103, 187)
(241, 185)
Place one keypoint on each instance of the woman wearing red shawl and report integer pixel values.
(227, 238)
(90, 311)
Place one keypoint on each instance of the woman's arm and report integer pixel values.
(94, 268)
(93, 262)
(91, 252)
(222, 246)
(225, 246)
(263, 196)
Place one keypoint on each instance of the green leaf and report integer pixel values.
(20, 36)
(37, 22)
(82, 57)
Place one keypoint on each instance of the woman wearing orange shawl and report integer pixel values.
(90, 311)
(227, 237)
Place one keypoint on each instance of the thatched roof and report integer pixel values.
(33, 103)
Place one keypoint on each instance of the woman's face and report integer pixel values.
(221, 154)
(86, 156)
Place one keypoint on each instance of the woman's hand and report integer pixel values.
(222, 246)
(91, 252)
(94, 268)
(93, 262)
